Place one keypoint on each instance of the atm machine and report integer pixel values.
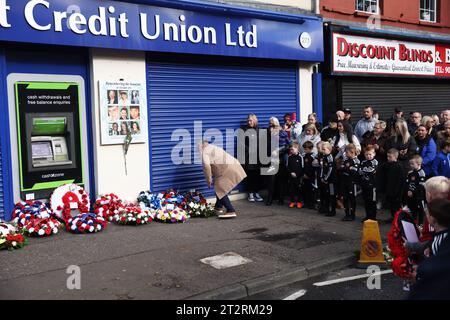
(49, 137)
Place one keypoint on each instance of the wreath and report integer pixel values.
(10, 237)
(197, 206)
(108, 206)
(86, 223)
(402, 264)
(151, 201)
(133, 215)
(34, 218)
(68, 197)
(171, 215)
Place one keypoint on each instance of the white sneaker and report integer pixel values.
(379, 205)
(251, 198)
(227, 215)
(258, 197)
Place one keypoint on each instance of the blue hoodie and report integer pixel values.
(441, 165)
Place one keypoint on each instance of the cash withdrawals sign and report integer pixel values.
(353, 54)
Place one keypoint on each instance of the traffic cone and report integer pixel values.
(371, 246)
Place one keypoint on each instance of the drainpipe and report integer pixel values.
(316, 6)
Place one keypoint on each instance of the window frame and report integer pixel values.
(431, 11)
(377, 5)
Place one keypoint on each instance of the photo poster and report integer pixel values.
(123, 109)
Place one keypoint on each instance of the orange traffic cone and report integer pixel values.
(371, 246)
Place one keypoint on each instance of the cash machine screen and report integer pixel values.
(41, 149)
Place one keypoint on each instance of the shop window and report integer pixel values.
(428, 10)
(369, 6)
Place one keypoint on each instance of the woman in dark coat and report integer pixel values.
(403, 142)
(377, 138)
(249, 140)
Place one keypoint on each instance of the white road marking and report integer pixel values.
(296, 295)
(326, 283)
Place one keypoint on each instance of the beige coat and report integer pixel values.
(226, 170)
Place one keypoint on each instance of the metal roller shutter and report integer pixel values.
(426, 97)
(219, 95)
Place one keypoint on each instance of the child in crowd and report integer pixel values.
(309, 175)
(367, 172)
(392, 180)
(327, 175)
(415, 190)
(295, 170)
(350, 169)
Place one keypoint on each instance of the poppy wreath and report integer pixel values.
(68, 197)
(401, 265)
(171, 216)
(86, 223)
(34, 218)
(133, 215)
(197, 206)
(10, 237)
(108, 206)
(172, 197)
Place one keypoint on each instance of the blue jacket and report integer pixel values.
(428, 155)
(441, 165)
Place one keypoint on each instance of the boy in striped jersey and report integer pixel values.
(327, 177)
(415, 189)
(367, 172)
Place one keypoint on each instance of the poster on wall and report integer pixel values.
(123, 110)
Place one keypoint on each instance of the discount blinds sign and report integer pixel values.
(353, 54)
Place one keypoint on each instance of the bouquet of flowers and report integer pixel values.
(197, 206)
(34, 218)
(132, 215)
(10, 238)
(86, 223)
(108, 206)
(171, 215)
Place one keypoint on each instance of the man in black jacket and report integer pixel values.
(433, 276)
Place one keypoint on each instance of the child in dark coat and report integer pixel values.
(392, 180)
(309, 185)
(295, 170)
(415, 189)
(328, 177)
(350, 169)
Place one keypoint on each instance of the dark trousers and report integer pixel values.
(224, 202)
(309, 192)
(394, 204)
(328, 197)
(252, 180)
(370, 201)
(294, 189)
(417, 209)
(276, 184)
(349, 193)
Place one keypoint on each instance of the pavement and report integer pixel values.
(162, 261)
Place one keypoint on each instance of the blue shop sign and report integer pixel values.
(121, 25)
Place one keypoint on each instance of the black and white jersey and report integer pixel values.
(437, 240)
(415, 182)
(327, 169)
(367, 171)
(350, 168)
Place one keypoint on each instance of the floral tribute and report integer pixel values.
(108, 206)
(402, 263)
(197, 206)
(34, 218)
(10, 237)
(67, 198)
(71, 197)
(133, 215)
(172, 206)
(86, 223)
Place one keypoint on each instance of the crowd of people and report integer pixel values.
(387, 162)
